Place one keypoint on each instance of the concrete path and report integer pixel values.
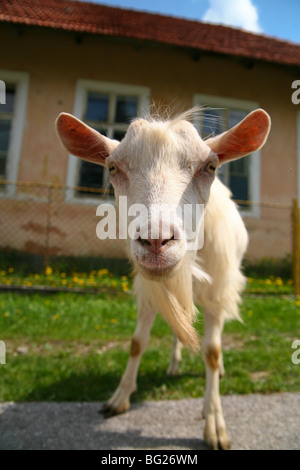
(253, 422)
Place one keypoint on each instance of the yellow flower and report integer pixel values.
(97, 327)
(268, 281)
(10, 270)
(63, 274)
(48, 270)
(124, 286)
(297, 302)
(113, 320)
(56, 317)
(6, 314)
(102, 271)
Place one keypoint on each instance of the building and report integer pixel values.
(105, 65)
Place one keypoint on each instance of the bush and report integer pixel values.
(265, 267)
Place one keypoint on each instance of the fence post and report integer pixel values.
(48, 226)
(296, 247)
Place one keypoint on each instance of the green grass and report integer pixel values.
(69, 346)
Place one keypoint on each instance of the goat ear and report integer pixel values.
(244, 138)
(83, 141)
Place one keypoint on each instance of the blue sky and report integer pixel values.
(277, 18)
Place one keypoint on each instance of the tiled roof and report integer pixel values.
(93, 18)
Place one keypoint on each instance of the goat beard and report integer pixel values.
(172, 297)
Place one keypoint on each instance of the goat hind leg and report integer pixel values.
(120, 400)
(215, 433)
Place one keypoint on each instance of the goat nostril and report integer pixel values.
(164, 242)
(143, 241)
(157, 244)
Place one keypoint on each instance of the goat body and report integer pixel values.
(166, 163)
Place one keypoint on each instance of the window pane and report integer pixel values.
(238, 169)
(9, 98)
(101, 130)
(212, 122)
(240, 166)
(2, 167)
(97, 107)
(239, 187)
(5, 125)
(118, 135)
(126, 108)
(235, 116)
(91, 175)
(239, 179)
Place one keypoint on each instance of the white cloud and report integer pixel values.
(238, 13)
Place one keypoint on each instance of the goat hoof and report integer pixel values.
(107, 411)
(215, 433)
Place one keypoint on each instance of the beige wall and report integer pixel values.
(55, 61)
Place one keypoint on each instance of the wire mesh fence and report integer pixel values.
(48, 235)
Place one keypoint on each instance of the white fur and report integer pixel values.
(163, 158)
(166, 162)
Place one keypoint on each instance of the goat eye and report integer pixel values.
(113, 169)
(210, 168)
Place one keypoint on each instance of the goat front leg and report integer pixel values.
(215, 433)
(120, 400)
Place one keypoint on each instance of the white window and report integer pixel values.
(12, 120)
(108, 108)
(241, 176)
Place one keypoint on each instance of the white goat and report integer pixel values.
(166, 162)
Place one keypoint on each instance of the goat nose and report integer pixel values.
(156, 245)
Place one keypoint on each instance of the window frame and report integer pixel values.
(254, 163)
(83, 87)
(21, 82)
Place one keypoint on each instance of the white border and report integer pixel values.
(21, 81)
(254, 183)
(82, 89)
